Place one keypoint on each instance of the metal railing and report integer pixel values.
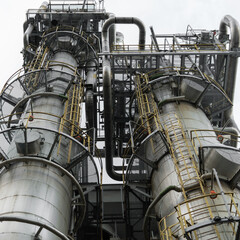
(166, 47)
(148, 111)
(184, 228)
(200, 135)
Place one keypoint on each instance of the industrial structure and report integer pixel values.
(158, 115)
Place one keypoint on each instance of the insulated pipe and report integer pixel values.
(122, 20)
(232, 23)
(91, 101)
(26, 35)
(154, 202)
(107, 86)
(112, 31)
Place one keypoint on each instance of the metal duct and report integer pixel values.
(107, 86)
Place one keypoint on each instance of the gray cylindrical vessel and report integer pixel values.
(35, 192)
(31, 190)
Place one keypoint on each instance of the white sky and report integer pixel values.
(166, 16)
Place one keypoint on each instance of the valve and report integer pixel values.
(31, 118)
(213, 194)
(220, 138)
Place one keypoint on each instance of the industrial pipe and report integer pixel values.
(112, 31)
(107, 86)
(27, 34)
(36, 223)
(154, 202)
(229, 21)
(122, 20)
(91, 101)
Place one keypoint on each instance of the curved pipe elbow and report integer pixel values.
(107, 86)
(232, 23)
(112, 31)
(27, 34)
(124, 20)
(154, 202)
(108, 105)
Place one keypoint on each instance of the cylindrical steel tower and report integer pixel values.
(48, 151)
(189, 185)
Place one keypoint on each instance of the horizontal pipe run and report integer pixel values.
(146, 53)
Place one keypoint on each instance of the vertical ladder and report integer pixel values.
(71, 118)
(187, 172)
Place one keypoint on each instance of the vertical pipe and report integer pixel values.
(107, 86)
(91, 101)
(26, 35)
(230, 79)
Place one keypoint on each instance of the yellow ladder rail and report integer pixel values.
(72, 118)
(147, 106)
(143, 105)
(193, 166)
(62, 123)
(180, 180)
(72, 114)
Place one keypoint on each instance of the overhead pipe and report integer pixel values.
(153, 204)
(231, 23)
(107, 86)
